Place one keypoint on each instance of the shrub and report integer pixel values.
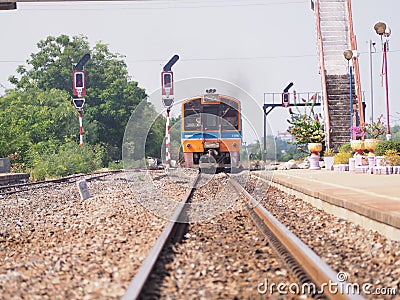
(383, 146)
(392, 157)
(68, 159)
(345, 148)
(115, 165)
(342, 158)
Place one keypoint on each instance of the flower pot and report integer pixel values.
(379, 161)
(371, 162)
(352, 164)
(328, 160)
(396, 169)
(315, 148)
(314, 162)
(341, 167)
(370, 144)
(357, 146)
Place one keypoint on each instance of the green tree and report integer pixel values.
(155, 138)
(176, 150)
(32, 116)
(395, 130)
(51, 67)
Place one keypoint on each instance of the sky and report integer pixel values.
(247, 47)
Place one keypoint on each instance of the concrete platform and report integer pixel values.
(372, 201)
(13, 178)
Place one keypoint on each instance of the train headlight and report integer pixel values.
(188, 145)
(234, 145)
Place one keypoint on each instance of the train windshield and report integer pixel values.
(229, 111)
(192, 112)
(210, 117)
(230, 117)
(224, 116)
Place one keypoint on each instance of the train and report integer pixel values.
(211, 132)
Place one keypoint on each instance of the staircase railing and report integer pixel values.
(353, 43)
(323, 75)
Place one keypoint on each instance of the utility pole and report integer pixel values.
(370, 45)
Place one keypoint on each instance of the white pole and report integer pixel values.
(80, 129)
(167, 141)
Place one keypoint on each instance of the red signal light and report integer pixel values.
(79, 80)
(285, 99)
(167, 80)
(167, 87)
(78, 83)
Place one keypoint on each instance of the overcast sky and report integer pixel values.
(258, 46)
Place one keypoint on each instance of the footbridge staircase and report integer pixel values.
(334, 28)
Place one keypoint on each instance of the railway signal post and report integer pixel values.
(79, 90)
(167, 96)
(286, 95)
(267, 108)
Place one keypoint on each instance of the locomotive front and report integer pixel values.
(211, 132)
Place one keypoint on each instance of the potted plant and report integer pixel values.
(392, 158)
(328, 158)
(341, 161)
(307, 129)
(357, 144)
(373, 131)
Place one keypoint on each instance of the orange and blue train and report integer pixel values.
(211, 134)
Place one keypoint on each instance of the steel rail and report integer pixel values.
(45, 183)
(322, 275)
(138, 282)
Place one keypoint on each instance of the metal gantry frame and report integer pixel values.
(268, 107)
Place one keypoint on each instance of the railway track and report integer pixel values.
(308, 269)
(21, 187)
(93, 248)
(172, 232)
